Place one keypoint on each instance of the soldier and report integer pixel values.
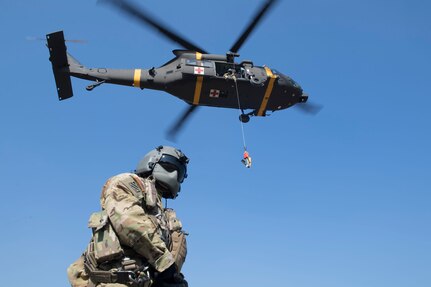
(137, 242)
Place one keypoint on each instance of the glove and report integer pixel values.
(183, 283)
(179, 279)
(167, 275)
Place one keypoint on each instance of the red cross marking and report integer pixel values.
(214, 93)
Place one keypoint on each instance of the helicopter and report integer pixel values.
(193, 75)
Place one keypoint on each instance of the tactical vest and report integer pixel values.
(107, 261)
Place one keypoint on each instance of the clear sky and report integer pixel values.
(341, 199)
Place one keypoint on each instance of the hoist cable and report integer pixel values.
(240, 111)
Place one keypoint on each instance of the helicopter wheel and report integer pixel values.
(244, 118)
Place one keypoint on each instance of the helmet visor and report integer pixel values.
(171, 163)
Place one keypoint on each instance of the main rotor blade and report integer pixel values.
(252, 25)
(179, 124)
(140, 14)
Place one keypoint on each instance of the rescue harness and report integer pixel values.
(129, 272)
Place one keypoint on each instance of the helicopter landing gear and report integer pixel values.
(245, 118)
(96, 84)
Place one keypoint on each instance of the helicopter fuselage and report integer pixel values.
(207, 80)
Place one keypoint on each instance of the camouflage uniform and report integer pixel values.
(144, 230)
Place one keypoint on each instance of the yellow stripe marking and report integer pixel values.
(269, 72)
(199, 80)
(198, 89)
(137, 78)
(268, 91)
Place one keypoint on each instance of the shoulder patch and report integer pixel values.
(135, 186)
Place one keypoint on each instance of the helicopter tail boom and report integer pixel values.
(60, 64)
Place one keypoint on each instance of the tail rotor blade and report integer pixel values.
(143, 16)
(179, 124)
(32, 38)
(256, 19)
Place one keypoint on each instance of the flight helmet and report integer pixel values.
(168, 166)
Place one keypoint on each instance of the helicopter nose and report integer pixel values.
(297, 91)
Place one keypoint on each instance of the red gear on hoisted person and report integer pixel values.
(246, 160)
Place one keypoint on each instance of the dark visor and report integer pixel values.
(171, 163)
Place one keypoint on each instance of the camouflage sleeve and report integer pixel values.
(134, 227)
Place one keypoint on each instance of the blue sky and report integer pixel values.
(341, 199)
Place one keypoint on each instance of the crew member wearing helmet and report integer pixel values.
(137, 242)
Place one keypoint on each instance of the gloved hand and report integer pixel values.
(180, 281)
(168, 274)
(176, 283)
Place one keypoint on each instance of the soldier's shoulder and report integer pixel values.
(126, 184)
(116, 180)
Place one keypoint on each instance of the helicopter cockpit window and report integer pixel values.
(192, 62)
(292, 82)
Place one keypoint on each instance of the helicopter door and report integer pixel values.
(223, 69)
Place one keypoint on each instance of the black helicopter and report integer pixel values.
(194, 75)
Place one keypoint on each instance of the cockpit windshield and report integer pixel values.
(287, 78)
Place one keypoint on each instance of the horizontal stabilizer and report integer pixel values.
(60, 65)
